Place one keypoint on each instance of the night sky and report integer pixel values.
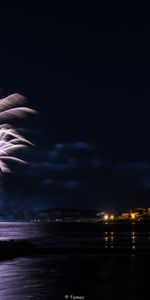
(88, 76)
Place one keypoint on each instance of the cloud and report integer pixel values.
(131, 183)
(70, 184)
(65, 156)
(67, 166)
(82, 146)
(145, 181)
(132, 167)
(76, 174)
(48, 182)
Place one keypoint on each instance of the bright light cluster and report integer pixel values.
(108, 217)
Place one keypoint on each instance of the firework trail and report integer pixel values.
(11, 107)
(10, 139)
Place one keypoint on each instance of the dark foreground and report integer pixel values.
(86, 260)
(53, 277)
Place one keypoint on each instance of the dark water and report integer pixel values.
(99, 276)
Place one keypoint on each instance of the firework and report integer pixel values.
(10, 139)
(11, 107)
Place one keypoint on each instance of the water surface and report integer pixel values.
(92, 276)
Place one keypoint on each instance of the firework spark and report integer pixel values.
(10, 107)
(10, 139)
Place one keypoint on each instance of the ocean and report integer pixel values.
(115, 275)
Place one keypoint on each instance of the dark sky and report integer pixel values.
(88, 75)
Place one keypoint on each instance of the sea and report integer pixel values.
(102, 274)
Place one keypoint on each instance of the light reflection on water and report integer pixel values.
(33, 278)
(126, 240)
(50, 234)
(51, 277)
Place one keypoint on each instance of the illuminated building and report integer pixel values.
(124, 216)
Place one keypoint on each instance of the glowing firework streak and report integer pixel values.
(10, 107)
(10, 139)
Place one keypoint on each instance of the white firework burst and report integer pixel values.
(10, 139)
(11, 107)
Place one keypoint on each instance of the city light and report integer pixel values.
(105, 217)
(108, 217)
(133, 216)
